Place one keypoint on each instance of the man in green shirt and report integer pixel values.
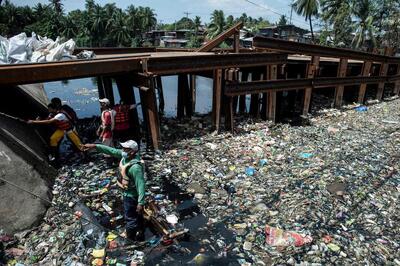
(132, 183)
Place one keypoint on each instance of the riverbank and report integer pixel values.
(334, 183)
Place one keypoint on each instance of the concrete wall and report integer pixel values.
(22, 162)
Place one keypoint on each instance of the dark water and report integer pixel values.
(190, 217)
(82, 95)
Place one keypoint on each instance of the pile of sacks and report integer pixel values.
(36, 49)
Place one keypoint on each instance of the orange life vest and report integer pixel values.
(122, 117)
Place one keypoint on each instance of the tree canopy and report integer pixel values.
(96, 25)
(361, 24)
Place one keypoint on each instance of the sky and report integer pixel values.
(169, 11)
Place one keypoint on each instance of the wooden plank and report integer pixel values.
(342, 70)
(218, 96)
(208, 46)
(365, 72)
(272, 74)
(312, 71)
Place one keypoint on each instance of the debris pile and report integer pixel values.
(36, 49)
(326, 193)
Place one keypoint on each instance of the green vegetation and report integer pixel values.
(97, 25)
(308, 9)
(361, 24)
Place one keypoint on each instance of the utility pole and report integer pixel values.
(187, 14)
(291, 13)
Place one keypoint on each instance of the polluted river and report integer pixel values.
(321, 193)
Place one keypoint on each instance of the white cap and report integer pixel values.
(105, 100)
(130, 144)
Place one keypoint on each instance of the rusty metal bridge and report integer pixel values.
(270, 63)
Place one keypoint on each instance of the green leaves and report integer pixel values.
(97, 25)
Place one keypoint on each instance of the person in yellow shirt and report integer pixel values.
(63, 125)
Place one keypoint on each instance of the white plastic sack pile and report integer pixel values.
(21, 49)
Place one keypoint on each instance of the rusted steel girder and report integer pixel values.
(242, 88)
(199, 63)
(42, 72)
(318, 50)
(116, 50)
(221, 37)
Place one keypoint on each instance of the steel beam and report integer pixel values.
(272, 74)
(42, 72)
(318, 50)
(396, 89)
(217, 96)
(198, 63)
(220, 38)
(339, 90)
(365, 72)
(312, 71)
(243, 88)
(115, 50)
(383, 70)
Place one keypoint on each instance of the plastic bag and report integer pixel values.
(280, 238)
(3, 50)
(17, 50)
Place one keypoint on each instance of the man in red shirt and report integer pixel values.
(105, 131)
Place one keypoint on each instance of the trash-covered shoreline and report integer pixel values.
(325, 193)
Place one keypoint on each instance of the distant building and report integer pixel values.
(175, 39)
(286, 32)
(155, 36)
(172, 42)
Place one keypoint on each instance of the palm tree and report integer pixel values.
(13, 17)
(69, 27)
(120, 33)
(57, 5)
(217, 24)
(364, 12)
(197, 24)
(98, 22)
(307, 8)
(282, 20)
(338, 14)
(230, 21)
(148, 18)
(89, 5)
(110, 10)
(133, 19)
